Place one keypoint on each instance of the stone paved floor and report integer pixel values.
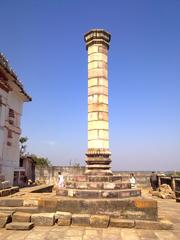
(168, 209)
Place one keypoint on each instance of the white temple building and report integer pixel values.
(12, 97)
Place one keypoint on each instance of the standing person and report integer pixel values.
(153, 181)
(132, 180)
(60, 180)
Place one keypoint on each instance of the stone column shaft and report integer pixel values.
(97, 43)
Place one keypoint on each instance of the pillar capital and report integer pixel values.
(97, 36)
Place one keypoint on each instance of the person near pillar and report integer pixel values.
(132, 180)
(60, 180)
(154, 181)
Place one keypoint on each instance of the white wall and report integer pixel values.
(9, 158)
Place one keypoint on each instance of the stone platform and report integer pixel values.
(110, 195)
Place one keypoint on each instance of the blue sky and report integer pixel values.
(43, 40)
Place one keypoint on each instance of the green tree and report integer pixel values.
(23, 145)
(40, 161)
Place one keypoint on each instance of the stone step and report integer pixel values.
(5, 185)
(97, 185)
(9, 191)
(20, 226)
(96, 178)
(19, 209)
(130, 208)
(5, 217)
(11, 202)
(93, 193)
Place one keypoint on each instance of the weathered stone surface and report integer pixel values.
(126, 208)
(43, 219)
(4, 219)
(101, 221)
(21, 217)
(109, 185)
(5, 192)
(81, 219)
(122, 223)
(9, 202)
(166, 225)
(5, 184)
(14, 189)
(48, 205)
(154, 225)
(63, 218)
(19, 226)
(30, 202)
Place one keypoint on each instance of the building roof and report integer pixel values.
(4, 63)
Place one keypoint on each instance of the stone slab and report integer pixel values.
(81, 219)
(63, 218)
(20, 209)
(19, 226)
(154, 225)
(122, 223)
(21, 217)
(4, 219)
(9, 202)
(50, 205)
(135, 208)
(43, 219)
(100, 221)
(96, 193)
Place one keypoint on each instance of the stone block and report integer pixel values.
(97, 57)
(5, 184)
(48, 205)
(97, 107)
(30, 203)
(19, 226)
(4, 219)
(81, 185)
(99, 90)
(61, 192)
(122, 223)
(92, 49)
(166, 224)
(104, 134)
(9, 202)
(63, 218)
(103, 99)
(100, 221)
(81, 219)
(86, 193)
(43, 219)
(92, 82)
(103, 82)
(5, 192)
(98, 144)
(109, 194)
(95, 185)
(109, 185)
(21, 217)
(14, 189)
(154, 225)
(70, 193)
(92, 134)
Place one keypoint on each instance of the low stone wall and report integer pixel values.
(49, 175)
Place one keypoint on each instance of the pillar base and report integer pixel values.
(98, 162)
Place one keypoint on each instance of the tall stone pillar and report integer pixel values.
(98, 154)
